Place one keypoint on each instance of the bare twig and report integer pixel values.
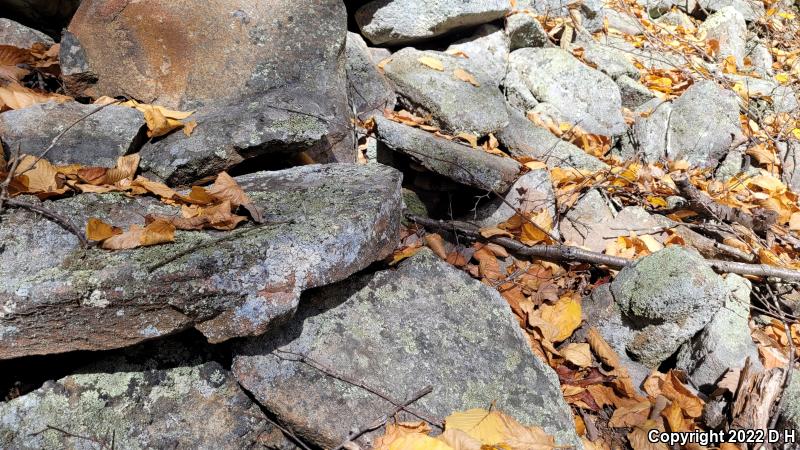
(379, 422)
(350, 380)
(569, 253)
(62, 221)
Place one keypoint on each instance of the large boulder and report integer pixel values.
(523, 138)
(93, 140)
(524, 30)
(18, 35)
(725, 343)
(460, 163)
(749, 9)
(582, 95)
(665, 299)
(188, 406)
(323, 224)
(457, 105)
(425, 323)
(370, 92)
(190, 54)
(394, 22)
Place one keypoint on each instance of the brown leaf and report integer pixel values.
(218, 217)
(674, 389)
(578, 354)
(226, 188)
(602, 349)
(97, 230)
(639, 440)
(154, 187)
(465, 76)
(15, 96)
(630, 416)
(157, 232)
(10, 59)
(435, 242)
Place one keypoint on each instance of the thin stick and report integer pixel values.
(62, 221)
(349, 380)
(379, 422)
(576, 254)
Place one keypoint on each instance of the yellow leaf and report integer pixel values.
(729, 65)
(786, 15)
(465, 76)
(418, 442)
(469, 137)
(158, 124)
(796, 133)
(651, 243)
(658, 202)
(459, 440)
(97, 230)
(536, 232)
(767, 182)
(499, 430)
(395, 431)
(564, 316)
(189, 127)
(405, 253)
(432, 62)
(763, 154)
(578, 354)
(158, 232)
(794, 222)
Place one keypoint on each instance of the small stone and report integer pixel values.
(394, 22)
(456, 105)
(425, 323)
(611, 61)
(18, 35)
(633, 93)
(525, 31)
(93, 140)
(583, 95)
(728, 28)
(460, 163)
(667, 296)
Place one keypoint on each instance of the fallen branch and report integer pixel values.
(567, 253)
(381, 421)
(760, 221)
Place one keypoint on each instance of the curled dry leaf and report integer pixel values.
(226, 188)
(97, 230)
(465, 76)
(11, 58)
(157, 232)
(630, 416)
(578, 354)
(395, 431)
(218, 217)
(435, 242)
(15, 96)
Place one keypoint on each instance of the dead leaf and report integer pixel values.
(188, 127)
(465, 76)
(432, 62)
(630, 416)
(578, 354)
(157, 232)
(226, 188)
(564, 316)
(459, 440)
(435, 242)
(673, 414)
(674, 389)
(395, 431)
(497, 429)
(15, 96)
(639, 440)
(10, 59)
(494, 231)
(217, 217)
(97, 230)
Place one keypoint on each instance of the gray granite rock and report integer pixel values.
(583, 95)
(518, 96)
(749, 9)
(760, 57)
(97, 140)
(487, 50)
(18, 35)
(789, 153)
(230, 135)
(587, 222)
(622, 22)
(633, 93)
(193, 406)
(607, 59)
(790, 410)
(59, 297)
(728, 28)
(200, 55)
(369, 91)
(456, 105)
(525, 31)
(725, 342)
(703, 124)
(425, 323)
(523, 138)
(395, 22)
(460, 163)
(657, 8)
(677, 18)
(648, 137)
(532, 192)
(666, 298)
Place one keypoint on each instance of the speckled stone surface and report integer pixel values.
(185, 407)
(56, 297)
(425, 323)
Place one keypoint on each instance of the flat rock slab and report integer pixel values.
(395, 22)
(57, 297)
(584, 96)
(456, 105)
(93, 140)
(460, 163)
(425, 323)
(369, 90)
(195, 406)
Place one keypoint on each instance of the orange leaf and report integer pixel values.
(226, 188)
(97, 230)
(465, 76)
